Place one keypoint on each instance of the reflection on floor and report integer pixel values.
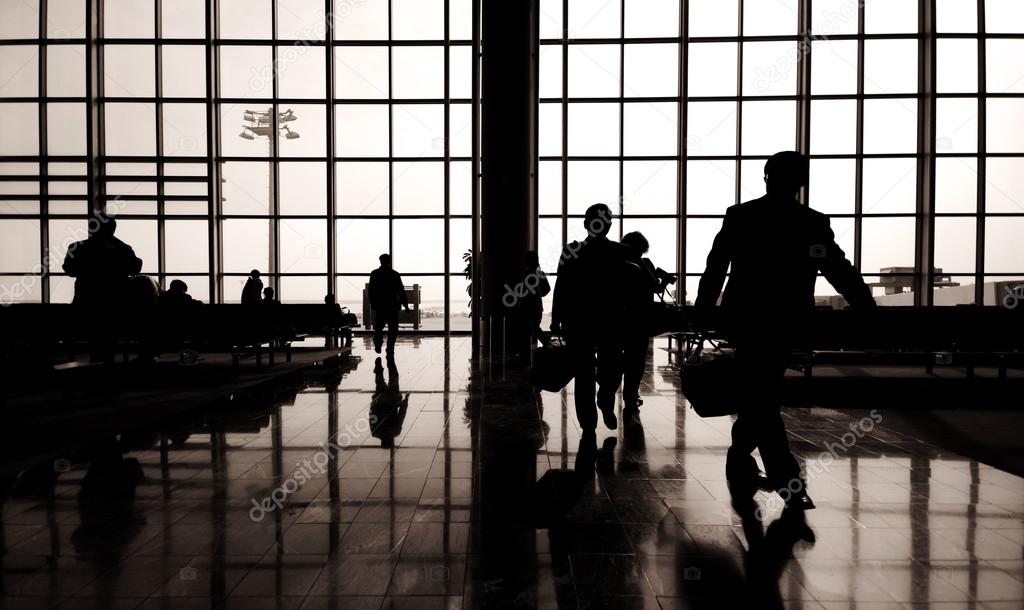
(417, 486)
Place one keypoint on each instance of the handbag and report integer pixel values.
(713, 382)
(552, 367)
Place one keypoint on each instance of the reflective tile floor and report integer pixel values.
(428, 486)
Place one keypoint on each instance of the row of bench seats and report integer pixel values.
(236, 329)
(966, 335)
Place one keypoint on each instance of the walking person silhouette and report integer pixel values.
(775, 247)
(387, 297)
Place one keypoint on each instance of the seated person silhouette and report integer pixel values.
(176, 295)
(387, 405)
(387, 297)
(253, 288)
(775, 247)
(268, 297)
(101, 265)
(587, 311)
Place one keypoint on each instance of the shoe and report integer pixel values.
(608, 415)
(801, 502)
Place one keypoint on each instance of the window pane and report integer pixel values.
(551, 18)
(710, 187)
(19, 247)
(303, 188)
(777, 18)
(592, 182)
(65, 70)
(362, 72)
(417, 19)
(1004, 249)
(833, 187)
(185, 130)
(711, 129)
(303, 289)
(418, 72)
(183, 19)
(712, 69)
(66, 135)
(19, 71)
(957, 66)
(301, 19)
(652, 70)
(128, 71)
(594, 71)
(367, 20)
(955, 240)
(770, 68)
(362, 131)
(1006, 125)
(245, 246)
(300, 72)
(890, 126)
(595, 18)
(418, 188)
(360, 242)
(187, 245)
(141, 236)
(834, 67)
(184, 71)
(306, 134)
(649, 187)
(956, 125)
(303, 245)
(661, 233)
(128, 18)
(460, 185)
(652, 18)
(886, 243)
(700, 235)
(418, 246)
(593, 129)
(418, 130)
(246, 188)
(1004, 189)
(768, 127)
(956, 16)
(713, 17)
(890, 66)
(956, 185)
(460, 65)
(130, 129)
(1005, 66)
(19, 19)
(1004, 17)
(246, 72)
(891, 17)
(833, 127)
(829, 17)
(65, 19)
(549, 187)
(363, 188)
(549, 130)
(890, 186)
(245, 19)
(651, 128)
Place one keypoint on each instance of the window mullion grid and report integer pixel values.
(565, 121)
(275, 163)
(682, 127)
(43, 171)
(925, 221)
(804, 59)
(739, 104)
(213, 163)
(622, 119)
(332, 204)
(858, 211)
(161, 241)
(447, 168)
(980, 224)
(391, 130)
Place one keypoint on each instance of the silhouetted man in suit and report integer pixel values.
(775, 247)
(253, 289)
(387, 297)
(589, 310)
(101, 265)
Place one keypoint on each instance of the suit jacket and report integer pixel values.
(589, 290)
(387, 291)
(775, 250)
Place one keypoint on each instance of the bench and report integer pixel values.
(413, 294)
(962, 335)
